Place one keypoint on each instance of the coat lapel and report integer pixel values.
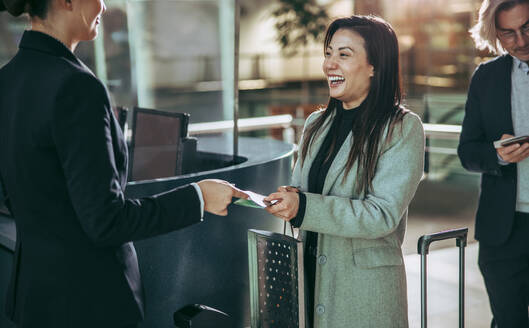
(505, 96)
(337, 168)
(338, 164)
(313, 151)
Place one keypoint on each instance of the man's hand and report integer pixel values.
(514, 153)
(217, 195)
(287, 204)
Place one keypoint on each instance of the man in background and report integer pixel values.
(498, 108)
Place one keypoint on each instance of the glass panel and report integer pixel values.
(168, 55)
(173, 56)
(438, 58)
(11, 30)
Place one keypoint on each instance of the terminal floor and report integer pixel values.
(437, 206)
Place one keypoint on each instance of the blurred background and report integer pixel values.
(179, 56)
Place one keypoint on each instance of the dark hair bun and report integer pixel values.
(14, 7)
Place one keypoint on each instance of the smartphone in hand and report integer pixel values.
(510, 141)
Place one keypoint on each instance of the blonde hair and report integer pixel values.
(484, 32)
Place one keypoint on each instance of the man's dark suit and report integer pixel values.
(501, 231)
(487, 118)
(64, 167)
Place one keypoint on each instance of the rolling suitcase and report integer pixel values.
(423, 245)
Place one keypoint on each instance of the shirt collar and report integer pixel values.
(520, 65)
(44, 43)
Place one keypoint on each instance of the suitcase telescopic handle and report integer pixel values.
(459, 234)
(423, 246)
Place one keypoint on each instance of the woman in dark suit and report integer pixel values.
(63, 166)
(359, 165)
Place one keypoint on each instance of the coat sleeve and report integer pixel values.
(81, 129)
(378, 214)
(475, 151)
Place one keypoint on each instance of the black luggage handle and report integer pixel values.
(423, 246)
(459, 234)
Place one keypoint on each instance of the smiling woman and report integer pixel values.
(347, 68)
(360, 162)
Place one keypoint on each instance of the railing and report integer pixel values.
(244, 125)
(440, 131)
(288, 124)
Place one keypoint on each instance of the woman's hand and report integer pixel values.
(287, 204)
(287, 188)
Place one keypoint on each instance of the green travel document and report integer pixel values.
(247, 203)
(254, 200)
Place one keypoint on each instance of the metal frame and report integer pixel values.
(423, 246)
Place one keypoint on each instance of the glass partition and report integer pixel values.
(168, 55)
(178, 55)
(10, 33)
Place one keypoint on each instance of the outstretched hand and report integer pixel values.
(217, 195)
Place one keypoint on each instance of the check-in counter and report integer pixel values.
(206, 263)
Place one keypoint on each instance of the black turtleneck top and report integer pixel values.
(341, 127)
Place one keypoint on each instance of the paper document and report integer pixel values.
(255, 200)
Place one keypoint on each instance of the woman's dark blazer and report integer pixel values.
(64, 166)
(487, 118)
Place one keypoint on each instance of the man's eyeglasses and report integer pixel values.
(510, 36)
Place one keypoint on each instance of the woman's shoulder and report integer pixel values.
(314, 115)
(411, 119)
(65, 73)
(404, 118)
(82, 81)
(408, 124)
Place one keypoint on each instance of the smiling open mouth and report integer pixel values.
(335, 80)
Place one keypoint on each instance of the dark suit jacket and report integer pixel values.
(487, 118)
(64, 167)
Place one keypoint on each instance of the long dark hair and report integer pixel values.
(381, 108)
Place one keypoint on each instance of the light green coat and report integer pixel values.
(360, 276)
